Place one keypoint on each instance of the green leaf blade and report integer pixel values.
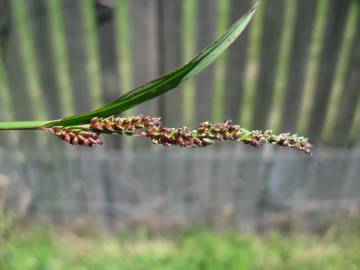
(167, 82)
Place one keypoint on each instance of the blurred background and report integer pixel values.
(131, 205)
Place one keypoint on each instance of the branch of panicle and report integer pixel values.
(152, 128)
(206, 134)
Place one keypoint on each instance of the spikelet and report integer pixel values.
(76, 137)
(112, 124)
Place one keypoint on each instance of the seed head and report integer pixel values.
(76, 137)
(208, 133)
(111, 124)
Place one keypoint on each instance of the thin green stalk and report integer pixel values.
(23, 125)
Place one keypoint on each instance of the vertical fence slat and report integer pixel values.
(328, 176)
(92, 177)
(16, 75)
(305, 17)
(6, 110)
(328, 61)
(236, 65)
(201, 185)
(291, 173)
(105, 18)
(68, 183)
(170, 57)
(144, 44)
(108, 65)
(351, 188)
(6, 107)
(207, 22)
(288, 177)
(59, 47)
(207, 18)
(224, 168)
(144, 54)
(148, 190)
(75, 40)
(247, 188)
(40, 31)
(22, 17)
(107, 52)
(92, 53)
(170, 105)
(350, 95)
(271, 37)
(176, 177)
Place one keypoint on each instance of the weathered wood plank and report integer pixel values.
(224, 178)
(170, 21)
(335, 25)
(247, 191)
(289, 178)
(6, 20)
(16, 76)
(40, 30)
(92, 176)
(65, 172)
(170, 105)
(350, 95)
(75, 39)
(286, 166)
(139, 164)
(350, 189)
(144, 44)
(207, 19)
(175, 178)
(6, 107)
(270, 40)
(236, 65)
(107, 52)
(202, 161)
(23, 17)
(330, 168)
(105, 18)
(189, 194)
(305, 18)
(6, 139)
(59, 47)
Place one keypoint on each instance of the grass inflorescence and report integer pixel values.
(152, 128)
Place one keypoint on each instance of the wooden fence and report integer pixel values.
(296, 69)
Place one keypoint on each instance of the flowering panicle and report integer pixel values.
(174, 136)
(76, 136)
(112, 124)
(208, 133)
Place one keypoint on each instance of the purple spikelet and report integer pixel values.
(76, 137)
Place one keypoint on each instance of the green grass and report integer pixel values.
(199, 249)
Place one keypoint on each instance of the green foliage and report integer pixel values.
(44, 249)
(169, 81)
(151, 89)
(77, 129)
